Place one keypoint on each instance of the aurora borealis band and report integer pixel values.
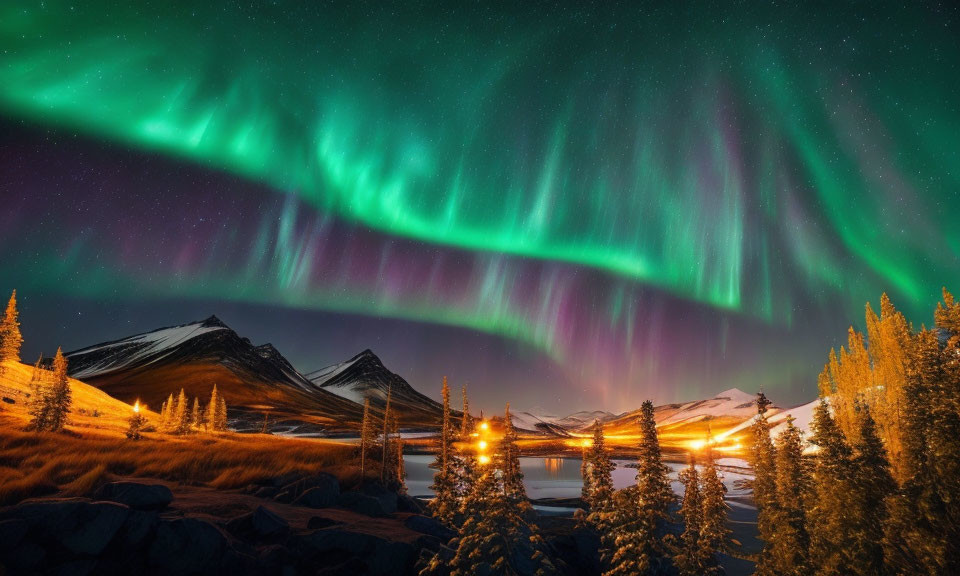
(636, 199)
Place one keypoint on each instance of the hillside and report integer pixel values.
(92, 408)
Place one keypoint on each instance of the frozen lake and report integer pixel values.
(560, 477)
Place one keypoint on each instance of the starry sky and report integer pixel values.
(568, 206)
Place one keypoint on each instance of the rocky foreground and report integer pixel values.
(296, 524)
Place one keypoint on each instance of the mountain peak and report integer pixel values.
(212, 322)
(736, 394)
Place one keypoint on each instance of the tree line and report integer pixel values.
(880, 493)
(380, 440)
(178, 417)
(485, 502)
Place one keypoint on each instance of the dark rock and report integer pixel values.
(272, 559)
(187, 546)
(9, 400)
(318, 522)
(259, 524)
(11, 534)
(407, 503)
(323, 542)
(361, 503)
(137, 530)
(392, 558)
(285, 479)
(325, 488)
(350, 567)
(317, 498)
(135, 495)
(78, 567)
(387, 498)
(430, 526)
(267, 492)
(80, 526)
(25, 559)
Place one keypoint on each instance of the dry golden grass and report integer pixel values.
(34, 464)
(93, 449)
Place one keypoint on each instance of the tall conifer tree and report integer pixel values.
(791, 543)
(830, 517)
(690, 560)
(764, 484)
(10, 337)
(713, 528)
(444, 505)
(58, 395)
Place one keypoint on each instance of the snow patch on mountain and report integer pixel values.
(129, 351)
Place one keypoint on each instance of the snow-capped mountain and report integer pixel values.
(364, 376)
(195, 356)
(730, 406)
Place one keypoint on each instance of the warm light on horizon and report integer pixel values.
(136, 406)
(484, 426)
(482, 445)
(483, 459)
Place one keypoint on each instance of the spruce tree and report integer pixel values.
(923, 534)
(713, 527)
(690, 560)
(195, 414)
(791, 544)
(164, 415)
(872, 486)
(136, 423)
(764, 484)
(444, 505)
(39, 406)
(221, 423)
(58, 395)
(494, 538)
(181, 416)
(586, 477)
(600, 480)
(639, 512)
(465, 461)
(212, 407)
(830, 516)
(513, 487)
(655, 493)
(10, 337)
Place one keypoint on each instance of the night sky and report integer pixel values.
(565, 206)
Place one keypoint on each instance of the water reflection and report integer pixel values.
(553, 466)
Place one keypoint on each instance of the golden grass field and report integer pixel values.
(93, 449)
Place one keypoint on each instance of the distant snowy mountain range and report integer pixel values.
(258, 381)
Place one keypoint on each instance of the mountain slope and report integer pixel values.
(364, 376)
(724, 410)
(195, 356)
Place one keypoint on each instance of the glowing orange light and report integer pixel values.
(586, 443)
(697, 444)
(483, 459)
(136, 406)
(482, 444)
(484, 426)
